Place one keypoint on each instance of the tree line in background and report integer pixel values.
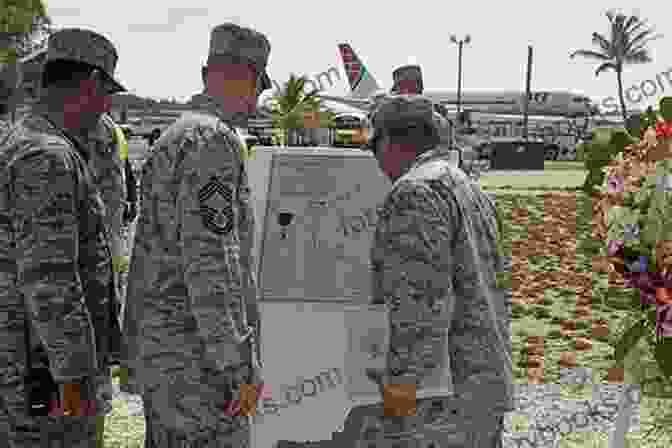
(24, 28)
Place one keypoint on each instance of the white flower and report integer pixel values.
(664, 183)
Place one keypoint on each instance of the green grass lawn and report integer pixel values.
(563, 165)
(557, 176)
(552, 249)
(549, 180)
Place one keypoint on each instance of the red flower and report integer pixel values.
(663, 129)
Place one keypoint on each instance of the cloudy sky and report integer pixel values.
(162, 43)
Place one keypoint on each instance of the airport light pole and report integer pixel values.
(460, 43)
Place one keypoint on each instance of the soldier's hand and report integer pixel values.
(77, 399)
(222, 381)
(256, 390)
(237, 391)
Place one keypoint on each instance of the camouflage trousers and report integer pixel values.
(185, 414)
(158, 435)
(18, 430)
(437, 423)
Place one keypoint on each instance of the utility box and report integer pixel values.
(315, 209)
(516, 154)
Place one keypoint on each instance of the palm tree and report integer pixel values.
(626, 44)
(292, 108)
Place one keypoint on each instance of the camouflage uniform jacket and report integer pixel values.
(435, 262)
(54, 253)
(191, 278)
(4, 129)
(108, 174)
(107, 167)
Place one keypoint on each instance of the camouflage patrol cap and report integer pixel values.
(401, 111)
(79, 45)
(232, 40)
(406, 111)
(407, 73)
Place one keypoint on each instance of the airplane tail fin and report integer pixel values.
(362, 83)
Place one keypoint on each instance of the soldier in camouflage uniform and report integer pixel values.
(107, 171)
(56, 263)
(435, 262)
(190, 313)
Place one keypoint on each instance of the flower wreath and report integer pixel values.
(632, 213)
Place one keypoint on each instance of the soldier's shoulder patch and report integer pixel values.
(216, 205)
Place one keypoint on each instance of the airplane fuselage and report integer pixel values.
(513, 102)
(548, 103)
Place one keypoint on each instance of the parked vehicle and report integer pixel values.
(513, 153)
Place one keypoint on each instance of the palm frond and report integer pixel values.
(635, 29)
(633, 22)
(636, 44)
(606, 66)
(590, 54)
(625, 45)
(617, 32)
(602, 42)
(620, 20)
(639, 57)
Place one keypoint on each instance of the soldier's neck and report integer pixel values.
(52, 109)
(214, 105)
(57, 118)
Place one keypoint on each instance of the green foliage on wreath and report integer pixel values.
(605, 145)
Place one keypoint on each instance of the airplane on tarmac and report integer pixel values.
(365, 89)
